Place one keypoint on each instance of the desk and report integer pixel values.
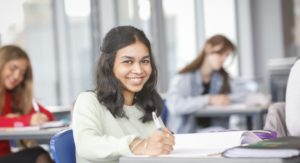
(206, 160)
(254, 114)
(18, 134)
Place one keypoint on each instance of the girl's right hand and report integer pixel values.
(159, 143)
(38, 119)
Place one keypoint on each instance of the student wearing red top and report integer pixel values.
(16, 104)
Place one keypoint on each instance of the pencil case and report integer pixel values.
(265, 134)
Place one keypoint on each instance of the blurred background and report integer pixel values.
(63, 38)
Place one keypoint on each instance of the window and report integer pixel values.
(29, 24)
(180, 33)
(219, 18)
(136, 13)
(79, 61)
(56, 35)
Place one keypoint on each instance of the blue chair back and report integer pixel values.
(63, 147)
(165, 113)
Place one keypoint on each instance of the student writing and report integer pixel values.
(202, 82)
(16, 108)
(115, 119)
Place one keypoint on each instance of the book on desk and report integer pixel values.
(284, 147)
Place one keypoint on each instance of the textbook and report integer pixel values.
(283, 147)
(211, 143)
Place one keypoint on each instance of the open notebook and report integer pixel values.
(209, 144)
(206, 144)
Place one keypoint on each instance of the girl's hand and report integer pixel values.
(219, 100)
(38, 119)
(159, 143)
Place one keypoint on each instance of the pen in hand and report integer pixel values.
(158, 123)
(37, 118)
(165, 134)
(35, 106)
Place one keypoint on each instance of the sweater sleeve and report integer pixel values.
(92, 142)
(179, 99)
(23, 120)
(20, 121)
(293, 100)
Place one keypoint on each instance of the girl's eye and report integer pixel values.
(128, 61)
(146, 61)
(13, 68)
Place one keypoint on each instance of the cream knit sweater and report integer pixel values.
(98, 136)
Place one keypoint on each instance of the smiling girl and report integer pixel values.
(16, 103)
(116, 118)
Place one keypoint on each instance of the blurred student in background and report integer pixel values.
(116, 118)
(16, 108)
(202, 82)
(293, 101)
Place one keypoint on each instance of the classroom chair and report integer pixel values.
(165, 113)
(63, 147)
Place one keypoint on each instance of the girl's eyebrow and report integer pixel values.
(146, 57)
(17, 66)
(129, 57)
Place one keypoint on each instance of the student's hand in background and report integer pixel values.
(38, 119)
(219, 100)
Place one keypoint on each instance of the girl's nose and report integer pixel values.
(137, 68)
(17, 75)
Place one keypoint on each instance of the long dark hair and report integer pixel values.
(216, 40)
(109, 88)
(21, 95)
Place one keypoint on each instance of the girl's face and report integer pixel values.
(13, 73)
(132, 67)
(216, 60)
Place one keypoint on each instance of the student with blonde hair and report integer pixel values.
(16, 108)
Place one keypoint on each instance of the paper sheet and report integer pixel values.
(208, 144)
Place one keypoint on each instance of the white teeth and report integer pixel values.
(135, 80)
